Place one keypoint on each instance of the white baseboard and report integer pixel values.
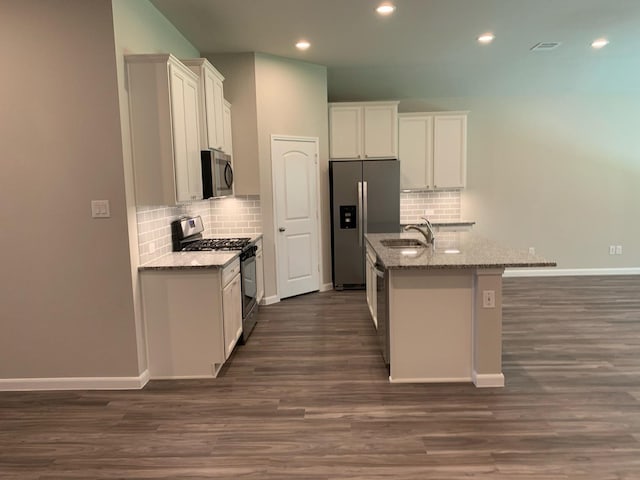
(486, 380)
(74, 383)
(183, 377)
(430, 380)
(568, 272)
(325, 287)
(270, 300)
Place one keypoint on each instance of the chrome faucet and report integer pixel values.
(429, 236)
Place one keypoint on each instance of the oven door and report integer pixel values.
(249, 290)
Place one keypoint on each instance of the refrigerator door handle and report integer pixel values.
(360, 213)
(365, 201)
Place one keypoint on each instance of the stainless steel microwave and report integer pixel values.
(217, 174)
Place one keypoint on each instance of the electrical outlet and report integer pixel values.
(612, 249)
(618, 249)
(532, 250)
(488, 299)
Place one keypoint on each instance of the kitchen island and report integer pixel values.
(440, 309)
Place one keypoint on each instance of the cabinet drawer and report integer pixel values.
(230, 272)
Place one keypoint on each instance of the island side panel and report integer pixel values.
(430, 325)
(487, 330)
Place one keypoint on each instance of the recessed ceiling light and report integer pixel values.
(302, 45)
(386, 9)
(599, 43)
(486, 38)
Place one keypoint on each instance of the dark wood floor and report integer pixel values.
(308, 398)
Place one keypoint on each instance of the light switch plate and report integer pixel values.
(100, 209)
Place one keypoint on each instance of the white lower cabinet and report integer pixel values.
(371, 284)
(193, 319)
(232, 314)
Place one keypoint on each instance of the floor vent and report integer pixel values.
(544, 46)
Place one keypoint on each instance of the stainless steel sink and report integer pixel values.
(402, 243)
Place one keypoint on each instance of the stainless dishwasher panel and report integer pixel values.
(382, 303)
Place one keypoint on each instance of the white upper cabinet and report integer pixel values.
(210, 83)
(366, 130)
(226, 123)
(449, 151)
(433, 150)
(163, 101)
(345, 123)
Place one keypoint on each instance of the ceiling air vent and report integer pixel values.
(544, 46)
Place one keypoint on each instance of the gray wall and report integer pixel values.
(70, 301)
(292, 100)
(275, 95)
(66, 296)
(556, 172)
(240, 90)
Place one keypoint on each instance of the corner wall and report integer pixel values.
(66, 296)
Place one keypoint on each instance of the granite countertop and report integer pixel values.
(195, 260)
(473, 250)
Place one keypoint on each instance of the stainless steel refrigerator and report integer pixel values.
(365, 198)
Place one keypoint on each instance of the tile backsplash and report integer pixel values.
(242, 216)
(231, 217)
(445, 205)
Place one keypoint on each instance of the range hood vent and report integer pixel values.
(544, 46)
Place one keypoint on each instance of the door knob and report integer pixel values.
(281, 229)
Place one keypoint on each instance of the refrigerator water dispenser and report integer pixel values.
(347, 216)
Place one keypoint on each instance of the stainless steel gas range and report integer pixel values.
(187, 237)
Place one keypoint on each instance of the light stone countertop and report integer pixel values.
(474, 252)
(190, 260)
(195, 260)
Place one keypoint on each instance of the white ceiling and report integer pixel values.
(428, 48)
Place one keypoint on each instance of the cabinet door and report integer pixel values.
(226, 124)
(371, 280)
(214, 104)
(415, 138)
(450, 151)
(345, 136)
(381, 131)
(186, 145)
(232, 314)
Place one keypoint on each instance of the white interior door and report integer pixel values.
(295, 193)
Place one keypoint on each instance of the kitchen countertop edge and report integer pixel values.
(208, 260)
(476, 252)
